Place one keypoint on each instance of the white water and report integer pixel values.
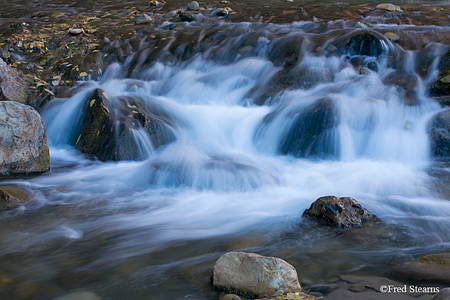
(224, 175)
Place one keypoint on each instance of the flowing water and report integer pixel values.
(236, 175)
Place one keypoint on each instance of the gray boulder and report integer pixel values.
(254, 275)
(13, 86)
(341, 212)
(23, 140)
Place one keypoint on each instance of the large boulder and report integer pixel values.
(306, 135)
(13, 85)
(440, 135)
(432, 268)
(23, 140)
(341, 212)
(109, 128)
(254, 275)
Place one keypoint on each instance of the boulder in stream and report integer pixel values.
(11, 196)
(341, 212)
(110, 128)
(440, 134)
(23, 140)
(254, 275)
(13, 85)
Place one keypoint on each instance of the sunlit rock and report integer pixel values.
(440, 135)
(13, 85)
(342, 212)
(193, 5)
(392, 36)
(255, 275)
(389, 7)
(23, 140)
(143, 19)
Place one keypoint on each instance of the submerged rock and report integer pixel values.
(440, 135)
(23, 140)
(13, 85)
(80, 295)
(255, 275)
(342, 212)
(432, 267)
(11, 196)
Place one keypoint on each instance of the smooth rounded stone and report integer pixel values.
(75, 31)
(143, 19)
(81, 295)
(170, 14)
(23, 140)
(440, 134)
(392, 36)
(389, 7)
(364, 71)
(230, 297)
(432, 267)
(193, 5)
(443, 294)
(13, 85)
(342, 212)
(252, 275)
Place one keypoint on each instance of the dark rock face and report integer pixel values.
(23, 140)
(308, 129)
(362, 42)
(108, 130)
(255, 275)
(440, 135)
(341, 212)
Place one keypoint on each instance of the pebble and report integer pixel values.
(76, 31)
(143, 19)
(170, 14)
(193, 5)
(392, 36)
(389, 7)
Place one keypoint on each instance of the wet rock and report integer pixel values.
(361, 25)
(193, 5)
(80, 295)
(440, 135)
(185, 17)
(341, 212)
(392, 36)
(359, 283)
(433, 268)
(170, 14)
(362, 42)
(356, 287)
(306, 135)
(389, 7)
(285, 51)
(143, 19)
(407, 82)
(230, 297)
(364, 71)
(13, 85)
(443, 294)
(23, 140)
(108, 133)
(255, 275)
(11, 196)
